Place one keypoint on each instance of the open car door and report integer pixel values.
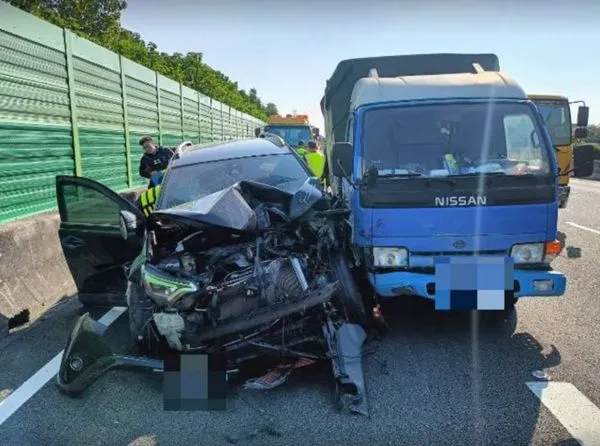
(91, 239)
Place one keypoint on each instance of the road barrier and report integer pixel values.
(71, 107)
(596, 174)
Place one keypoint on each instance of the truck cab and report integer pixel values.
(451, 178)
(292, 128)
(556, 113)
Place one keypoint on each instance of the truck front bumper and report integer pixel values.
(526, 284)
(563, 196)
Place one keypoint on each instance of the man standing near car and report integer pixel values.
(154, 160)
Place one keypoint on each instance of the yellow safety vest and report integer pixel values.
(148, 199)
(316, 163)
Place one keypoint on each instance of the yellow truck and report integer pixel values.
(556, 112)
(292, 128)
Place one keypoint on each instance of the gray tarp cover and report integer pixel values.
(348, 72)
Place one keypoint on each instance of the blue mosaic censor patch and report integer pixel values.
(473, 283)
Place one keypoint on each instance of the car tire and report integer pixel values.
(140, 311)
(348, 296)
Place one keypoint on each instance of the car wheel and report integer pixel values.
(348, 296)
(140, 311)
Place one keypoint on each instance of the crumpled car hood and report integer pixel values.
(235, 207)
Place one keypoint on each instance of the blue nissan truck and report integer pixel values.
(451, 178)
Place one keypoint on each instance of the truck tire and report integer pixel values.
(583, 160)
(140, 311)
(348, 297)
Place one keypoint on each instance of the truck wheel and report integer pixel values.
(348, 297)
(140, 311)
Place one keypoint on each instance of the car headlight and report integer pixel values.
(390, 257)
(164, 288)
(528, 253)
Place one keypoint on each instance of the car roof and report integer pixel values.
(203, 153)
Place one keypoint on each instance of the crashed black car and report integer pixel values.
(242, 257)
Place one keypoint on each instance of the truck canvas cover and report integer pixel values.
(336, 101)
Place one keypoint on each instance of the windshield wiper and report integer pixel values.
(476, 174)
(399, 175)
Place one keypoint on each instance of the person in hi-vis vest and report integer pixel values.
(300, 150)
(315, 160)
(147, 199)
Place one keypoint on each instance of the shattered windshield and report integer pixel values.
(557, 117)
(192, 182)
(291, 134)
(453, 139)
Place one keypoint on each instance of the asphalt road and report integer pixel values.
(435, 379)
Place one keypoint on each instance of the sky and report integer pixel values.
(288, 49)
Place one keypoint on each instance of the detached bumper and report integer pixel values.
(563, 196)
(527, 282)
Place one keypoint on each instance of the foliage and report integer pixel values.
(593, 134)
(99, 21)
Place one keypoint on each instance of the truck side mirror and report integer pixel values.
(257, 131)
(342, 156)
(583, 114)
(581, 133)
(315, 132)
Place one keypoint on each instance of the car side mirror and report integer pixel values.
(581, 133)
(583, 115)
(342, 156)
(129, 223)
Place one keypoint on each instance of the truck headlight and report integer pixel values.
(527, 253)
(390, 257)
(530, 253)
(163, 288)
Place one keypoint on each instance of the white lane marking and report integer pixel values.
(30, 387)
(571, 408)
(585, 228)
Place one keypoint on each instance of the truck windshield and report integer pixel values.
(557, 116)
(290, 133)
(453, 139)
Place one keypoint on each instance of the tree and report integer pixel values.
(100, 22)
(271, 109)
(593, 134)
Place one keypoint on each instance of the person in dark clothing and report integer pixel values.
(155, 159)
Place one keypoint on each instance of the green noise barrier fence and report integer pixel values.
(71, 107)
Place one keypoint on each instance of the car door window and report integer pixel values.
(86, 205)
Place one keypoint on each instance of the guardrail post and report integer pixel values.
(222, 124)
(199, 118)
(67, 36)
(181, 111)
(160, 138)
(126, 124)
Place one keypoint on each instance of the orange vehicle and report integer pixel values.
(292, 128)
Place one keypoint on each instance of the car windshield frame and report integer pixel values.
(283, 131)
(372, 117)
(551, 106)
(165, 200)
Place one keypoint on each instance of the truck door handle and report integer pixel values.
(71, 242)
